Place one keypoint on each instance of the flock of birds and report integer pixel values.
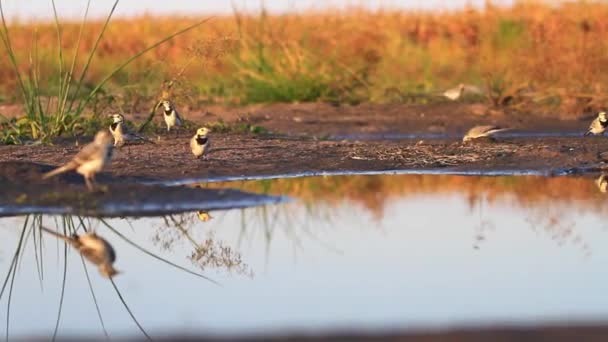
(93, 157)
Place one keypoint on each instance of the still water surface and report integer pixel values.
(363, 252)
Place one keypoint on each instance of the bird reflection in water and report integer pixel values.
(92, 247)
(602, 183)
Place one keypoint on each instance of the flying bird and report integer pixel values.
(200, 144)
(598, 126)
(90, 160)
(94, 248)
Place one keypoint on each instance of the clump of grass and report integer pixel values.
(62, 113)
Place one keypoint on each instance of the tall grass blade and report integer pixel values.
(124, 303)
(6, 40)
(91, 54)
(134, 57)
(10, 297)
(13, 265)
(86, 272)
(70, 74)
(65, 272)
(60, 51)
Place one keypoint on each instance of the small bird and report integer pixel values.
(454, 93)
(457, 92)
(483, 131)
(90, 160)
(602, 183)
(94, 248)
(203, 215)
(200, 144)
(171, 115)
(121, 133)
(598, 126)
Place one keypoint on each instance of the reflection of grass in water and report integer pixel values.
(207, 253)
(68, 226)
(375, 192)
(533, 193)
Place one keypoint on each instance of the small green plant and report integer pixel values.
(48, 117)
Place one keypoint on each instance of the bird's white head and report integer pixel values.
(103, 138)
(203, 131)
(602, 116)
(166, 104)
(117, 118)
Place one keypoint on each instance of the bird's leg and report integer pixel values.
(88, 182)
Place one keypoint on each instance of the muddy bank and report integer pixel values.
(325, 120)
(304, 141)
(249, 155)
(23, 192)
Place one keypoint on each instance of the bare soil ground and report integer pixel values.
(301, 142)
(322, 119)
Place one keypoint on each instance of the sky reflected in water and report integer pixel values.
(428, 258)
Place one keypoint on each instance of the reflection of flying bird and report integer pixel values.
(171, 115)
(94, 248)
(203, 215)
(199, 144)
(90, 160)
(121, 133)
(483, 131)
(457, 92)
(602, 183)
(598, 126)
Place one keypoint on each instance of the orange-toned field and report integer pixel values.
(547, 56)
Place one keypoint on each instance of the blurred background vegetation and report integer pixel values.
(535, 58)
(554, 53)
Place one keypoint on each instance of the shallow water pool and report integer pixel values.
(366, 253)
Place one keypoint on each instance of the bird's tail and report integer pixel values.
(57, 235)
(588, 133)
(498, 130)
(57, 171)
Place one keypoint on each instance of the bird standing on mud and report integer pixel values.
(454, 93)
(200, 144)
(90, 160)
(483, 131)
(598, 126)
(94, 248)
(457, 92)
(171, 115)
(121, 133)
